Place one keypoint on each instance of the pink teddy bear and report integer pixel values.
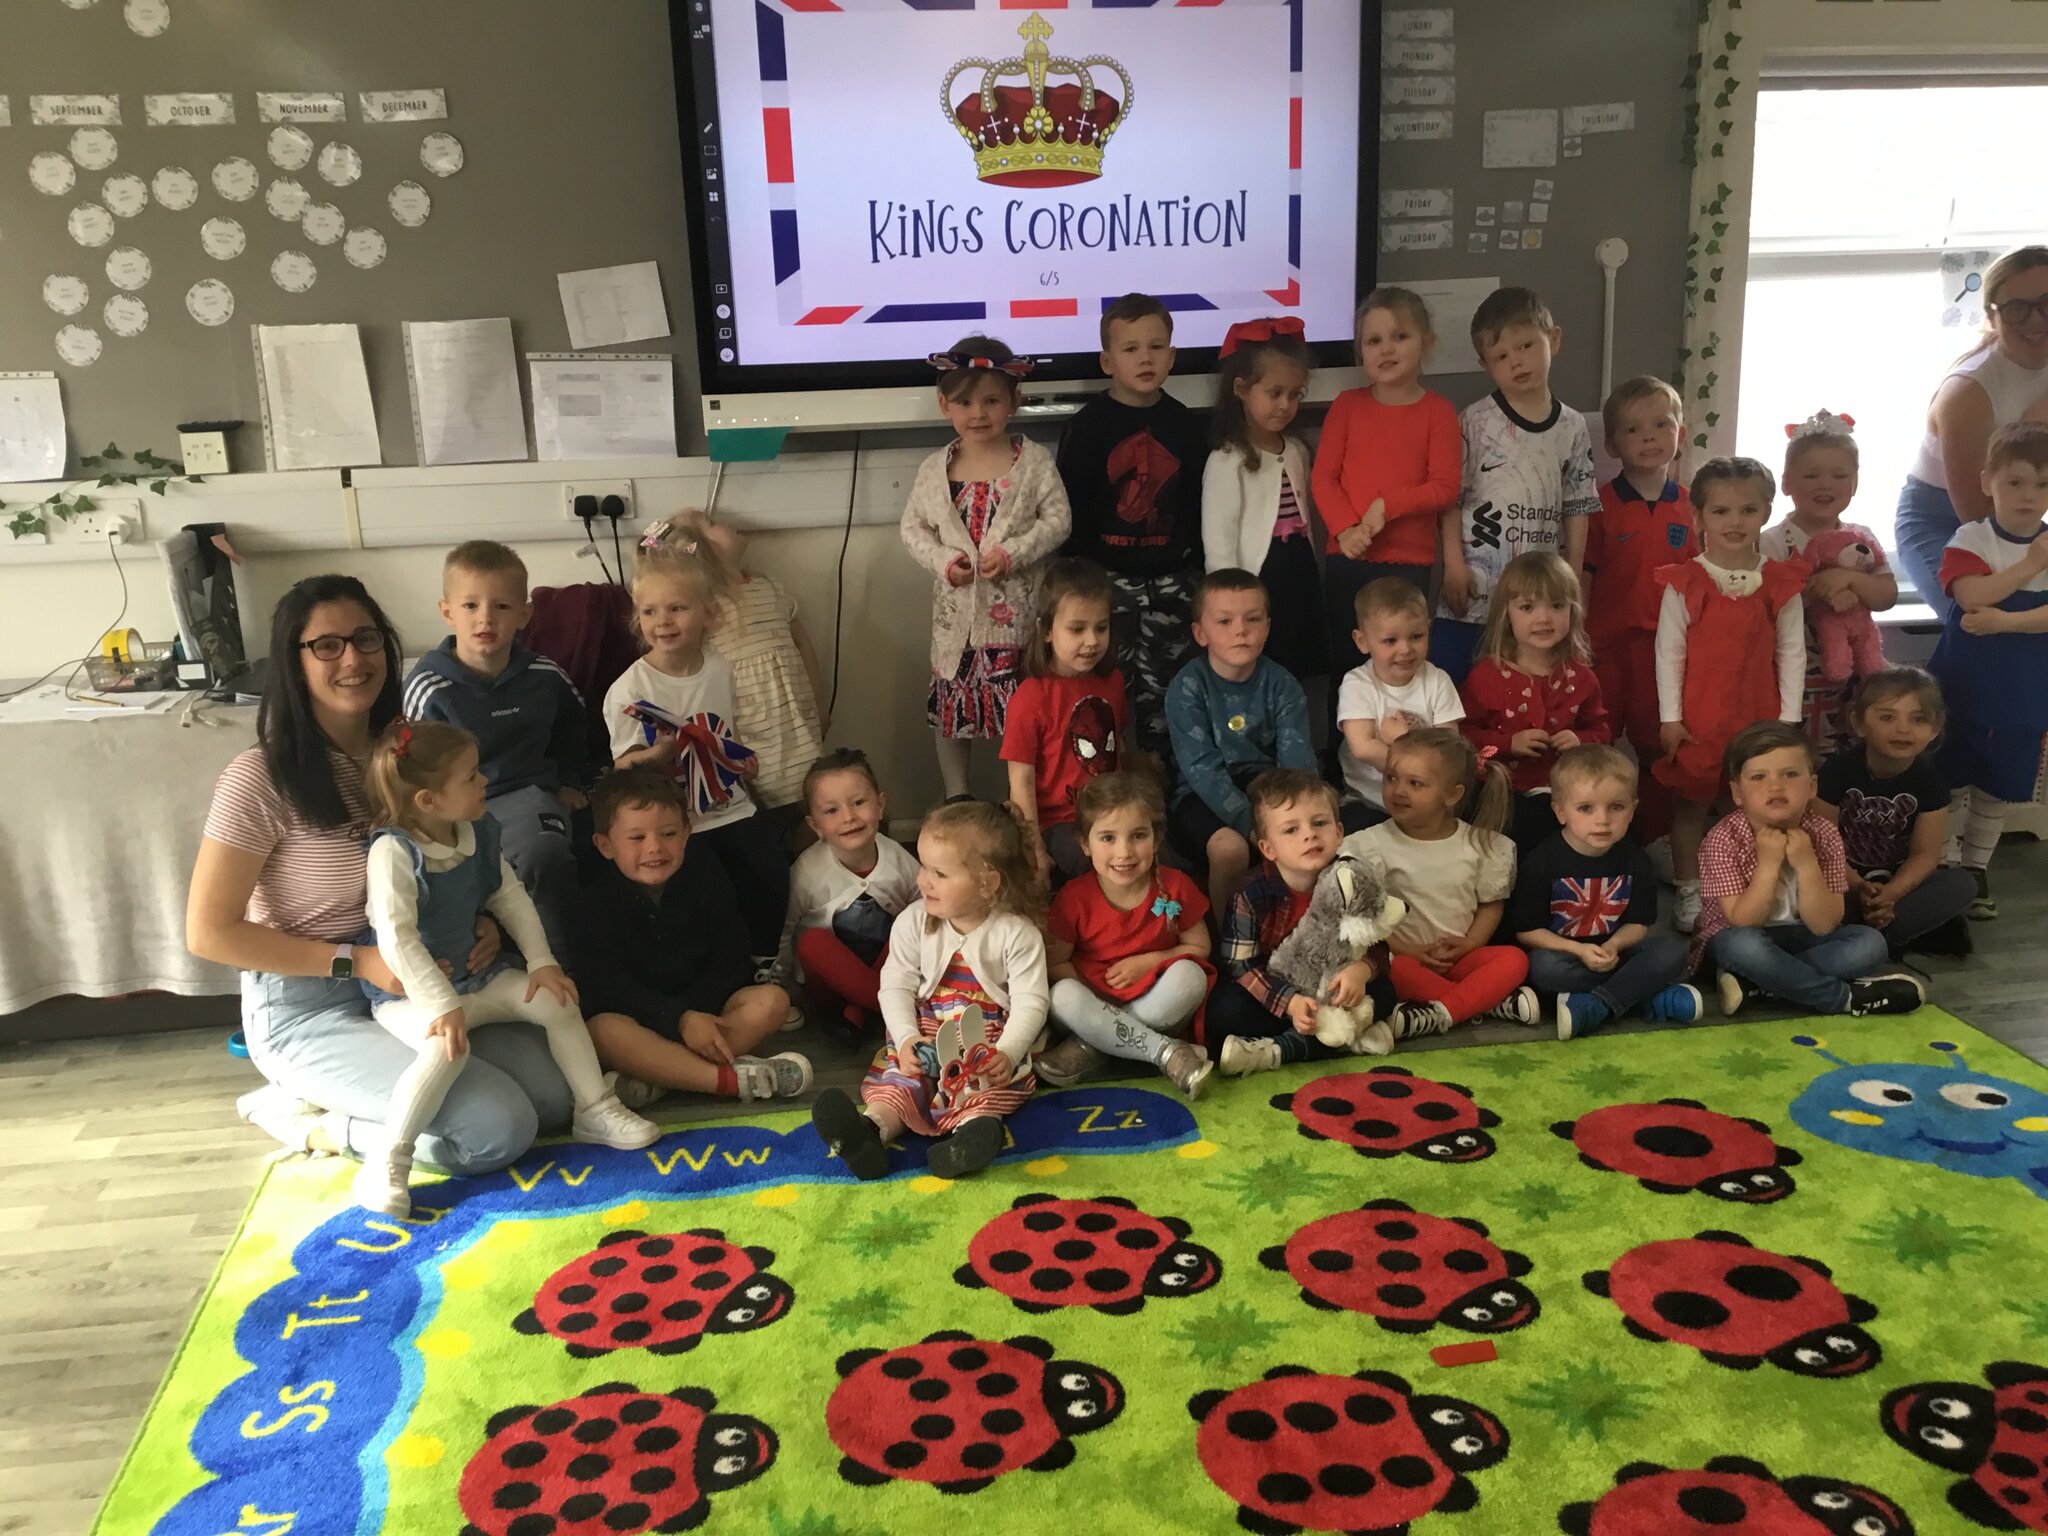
(1849, 645)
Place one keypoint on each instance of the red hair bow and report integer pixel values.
(403, 742)
(1246, 332)
(949, 362)
(1487, 755)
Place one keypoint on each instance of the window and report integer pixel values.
(1872, 205)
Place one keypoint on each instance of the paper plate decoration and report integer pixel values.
(340, 165)
(126, 315)
(78, 345)
(174, 188)
(293, 271)
(90, 224)
(147, 18)
(323, 224)
(235, 179)
(291, 149)
(124, 195)
(410, 204)
(66, 295)
(287, 200)
(128, 269)
(52, 174)
(441, 153)
(81, 5)
(94, 148)
(223, 239)
(210, 301)
(364, 248)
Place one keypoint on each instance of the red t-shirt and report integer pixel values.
(1625, 545)
(1101, 935)
(1503, 701)
(1069, 729)
(1413, 456)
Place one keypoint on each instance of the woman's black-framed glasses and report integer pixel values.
(366, 641)
(2020, 311)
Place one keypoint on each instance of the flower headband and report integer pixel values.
(663, 536)
(1250, 332)
(953, 362)
(1821, 424)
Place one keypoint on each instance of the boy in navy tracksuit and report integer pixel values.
(525, 714)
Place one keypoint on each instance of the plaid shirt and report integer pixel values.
(1728, 864)
(1263, 911)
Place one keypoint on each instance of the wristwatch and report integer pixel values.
(343, 966)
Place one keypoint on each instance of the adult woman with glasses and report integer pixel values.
(2004, 380)
(279, 892)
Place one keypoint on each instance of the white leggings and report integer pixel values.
(416, 1096)
(1143, 1029)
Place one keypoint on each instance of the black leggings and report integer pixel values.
(752, 858)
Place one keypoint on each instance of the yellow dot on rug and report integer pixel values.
(619, 1215)
(512, 1234)
(415, 1451)
(930, 1184)
(444, 1343)
(1047, 1166)
(781, 1194)
(2031, 1123)
(1856, 1116)
(1198, 1149)
(465, 1273)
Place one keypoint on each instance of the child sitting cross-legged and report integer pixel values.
(1772, 874)
(1586, 900)
(663, 956)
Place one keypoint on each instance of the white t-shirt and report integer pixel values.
(1427, 698)
(704, 698)
(1522, 480)
(1445, 881)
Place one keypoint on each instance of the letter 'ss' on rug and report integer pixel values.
(1768, 1278)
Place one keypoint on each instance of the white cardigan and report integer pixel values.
(1006, 954)
(1240, 505)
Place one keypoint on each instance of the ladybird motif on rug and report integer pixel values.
(1302, 1450)
(1679, 1146)
(1740, 1305)
(1408, 1270)
(661, 1294)
(1995, 1440)
(1731, 1493)
(1386, 1111)
(1045, 1253)
(614, 1459)
(958, 1412)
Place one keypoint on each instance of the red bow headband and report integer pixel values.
(949, 362)
(1247, 332)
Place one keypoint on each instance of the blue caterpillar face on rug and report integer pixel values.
(1732, 1492)
(1740, 1305)
(1964, 1121)
(615, 1459)
(1342, 1453)
(1045, 1253)
(1389, 1110)
(1997, 1440)
(1407, 1269)
(1676, 1146)
(660, 1294)
(958, 1412)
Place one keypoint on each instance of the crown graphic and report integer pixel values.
(1035, 134)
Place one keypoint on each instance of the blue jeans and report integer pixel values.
(1926, 522)
(1792, 962)
(314, 1038)
(1654, 964)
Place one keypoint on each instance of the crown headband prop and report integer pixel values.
(953, 362)
(1821, 424)
(663, 536)
(1252, 332)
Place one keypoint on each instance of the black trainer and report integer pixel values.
(852, 1137)
(968, 1150)
(1884, 994)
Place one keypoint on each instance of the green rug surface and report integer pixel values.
(1812, 1298)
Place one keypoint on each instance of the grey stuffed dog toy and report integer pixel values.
(1350, 911)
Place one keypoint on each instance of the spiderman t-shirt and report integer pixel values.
(1067, 730)
(1583, 897)
(1133, 475)
(1878, 815)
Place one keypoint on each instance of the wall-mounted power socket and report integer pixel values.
(623, 489)
(119, 520)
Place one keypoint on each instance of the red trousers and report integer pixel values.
(1480, 981)
(836, 979)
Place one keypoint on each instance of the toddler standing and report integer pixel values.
(985, 513)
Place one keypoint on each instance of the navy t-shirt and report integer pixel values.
(1583, 898)
(1878, 815)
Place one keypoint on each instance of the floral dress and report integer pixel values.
(976, 698)
(933, 1104)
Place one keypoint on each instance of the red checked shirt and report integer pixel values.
(1501, 701)
(1728, 864)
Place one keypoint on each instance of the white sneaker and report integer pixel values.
(1685, 907)
(1518, 1007)
(784, 1075)
(384, 1184)
(1376, 1039)
(608, 1123)
(633, 1092)
(1241, 1056)
(768, 971)
(300, 1126)
(794, 1019)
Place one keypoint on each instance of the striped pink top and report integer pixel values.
(313, 881)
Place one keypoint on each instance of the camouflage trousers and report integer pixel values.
(1152, 621)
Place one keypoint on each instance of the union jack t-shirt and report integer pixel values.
(1584, 897)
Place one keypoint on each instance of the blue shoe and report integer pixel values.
(1579, 1013)
(1676, 1005)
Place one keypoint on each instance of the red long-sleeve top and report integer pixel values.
(1410, 456)
(1502, 701)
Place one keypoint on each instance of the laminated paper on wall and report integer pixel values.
(1399, 127)
(301, 106)
(62, 111)
(403, 106)
(189, 109)
(1607, 117)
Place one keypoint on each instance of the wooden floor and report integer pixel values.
(123, 1172)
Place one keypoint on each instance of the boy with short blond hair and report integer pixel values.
(1528, 472)
(1394, 692)
(526, 715)
(1132, 461)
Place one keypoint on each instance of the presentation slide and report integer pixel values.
(882, 177)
